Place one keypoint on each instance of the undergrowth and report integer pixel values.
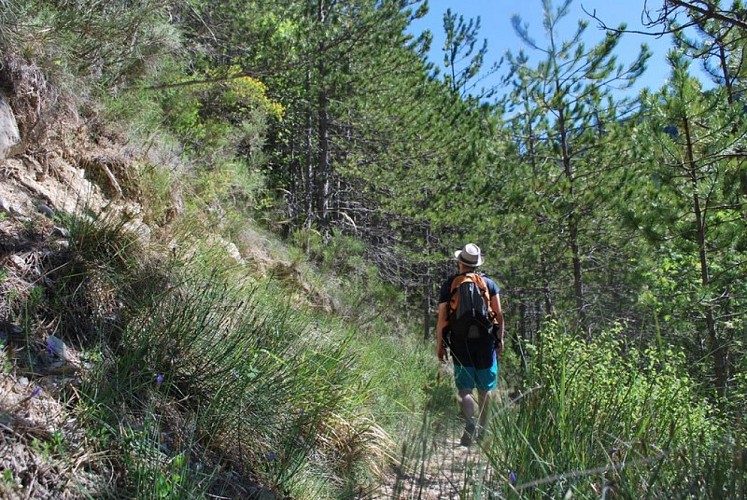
(595, 419)
(198, 372)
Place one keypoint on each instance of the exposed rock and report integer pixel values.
(261, 494)
(44, 209)
(56, 347)
(10, 330)
(139, 228)
(101, 169)
(5, 205)
(10, 137)
(35, 168)
(60, 232)
(216, 242)
(60, 245)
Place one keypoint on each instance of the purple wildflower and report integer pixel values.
(512, 477)
(37, 390)
(50, 348)
(271, 457)
(159, 380)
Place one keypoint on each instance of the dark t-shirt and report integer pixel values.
(477, 353)
(445, 294)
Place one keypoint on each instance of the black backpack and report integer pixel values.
(470, 316)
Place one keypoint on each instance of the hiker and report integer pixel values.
(474, 354)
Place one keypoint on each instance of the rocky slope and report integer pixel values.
(53, 163)
(43, 450)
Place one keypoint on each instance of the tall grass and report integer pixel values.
(602, 419)
(202, 379)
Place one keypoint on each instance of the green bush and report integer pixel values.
(604, 415)
(219, 114)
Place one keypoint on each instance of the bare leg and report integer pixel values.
(467, 402)
(483, 398)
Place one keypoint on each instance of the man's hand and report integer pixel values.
(441, 352)
(499, 346)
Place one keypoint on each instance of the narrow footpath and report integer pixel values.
(440, 469)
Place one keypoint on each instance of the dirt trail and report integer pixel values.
(437, 467)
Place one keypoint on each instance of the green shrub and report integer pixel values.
(104, 258)
(219, 114)
(355, 284)
(604, 415)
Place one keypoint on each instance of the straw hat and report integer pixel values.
(470, 255)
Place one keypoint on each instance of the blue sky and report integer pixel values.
(495, 17)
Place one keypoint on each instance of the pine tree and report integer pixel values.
(567, 105)
(698, 214)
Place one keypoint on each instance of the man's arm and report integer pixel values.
(440, 326)
(495, 304)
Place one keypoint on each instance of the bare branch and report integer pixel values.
(710, 12)
(698, 11)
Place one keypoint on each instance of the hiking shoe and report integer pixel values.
(467, 435)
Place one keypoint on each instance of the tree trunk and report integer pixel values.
(324, 167)
(572, 224)
(308, 180)
(578, 283)
(716, 347)
(323, 156)
(428, 286)
(724, 64)
(549, 309)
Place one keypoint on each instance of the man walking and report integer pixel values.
(474, 348)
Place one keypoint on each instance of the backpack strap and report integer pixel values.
(486, 297)
(455, 283)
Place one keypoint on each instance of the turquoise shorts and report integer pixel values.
(467, 377)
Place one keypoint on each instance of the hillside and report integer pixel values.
(83, 260)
